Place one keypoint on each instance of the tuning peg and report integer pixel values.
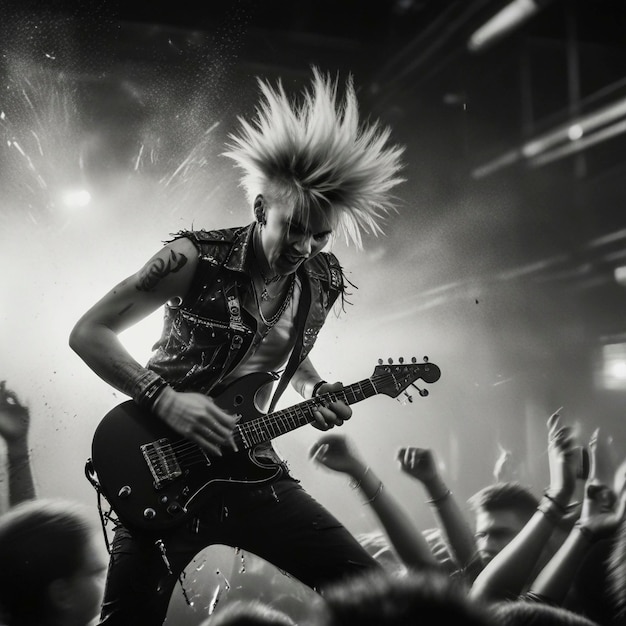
(413, 359)
(390, 361)
(422, 392)
(425, 359)
(380, 361)
(401, 360)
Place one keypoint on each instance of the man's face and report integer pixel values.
(494, 530)
(290, 238)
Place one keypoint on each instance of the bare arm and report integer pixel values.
(510, 570)
(166, 276)
(14, 428)
(333, 452)
(420, 464)
(602, 514)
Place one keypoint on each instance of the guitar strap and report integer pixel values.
(294, 361)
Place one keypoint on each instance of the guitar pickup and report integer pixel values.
(162, 462)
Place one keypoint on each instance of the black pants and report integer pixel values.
(279, 522)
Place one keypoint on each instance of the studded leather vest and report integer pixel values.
(206, 335)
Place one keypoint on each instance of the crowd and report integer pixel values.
(242, 301)
(507, 556)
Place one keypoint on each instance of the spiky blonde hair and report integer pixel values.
(319, 155)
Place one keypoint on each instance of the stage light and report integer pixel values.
(75, 198)
(506, 20)
(620, 275)
(612, 374)
(575, 131)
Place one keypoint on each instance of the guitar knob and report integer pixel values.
(413, 359)
(390, 361)
(380, 361)
(124, 492)
(174, 508)
(401, 360)
(149, 513)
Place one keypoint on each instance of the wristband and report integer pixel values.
(561, 508)
(316, 387)
(551, 510)
(150, 392)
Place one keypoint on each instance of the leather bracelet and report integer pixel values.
(551, 510)
(553, 500)
(151, 392)
(316, 387)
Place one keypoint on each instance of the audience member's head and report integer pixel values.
(52, 565)
(501, 510)
(524, 613)
(248, 613)
(427, 597)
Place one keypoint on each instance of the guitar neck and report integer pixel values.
(267, 427)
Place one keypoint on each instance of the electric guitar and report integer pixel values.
(154, 479)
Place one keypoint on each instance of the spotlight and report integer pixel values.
(75, 198)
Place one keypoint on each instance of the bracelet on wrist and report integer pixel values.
(444, 496)
(354, 483)
(376, 493)
(149, 394)
(561, 507)
(550, 510)
(316, 387)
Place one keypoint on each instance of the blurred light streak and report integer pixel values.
(531, 268)
(508, 158)
(510, 17)
(581, 144)
(610, 238)
(573, 136)
(587, 124)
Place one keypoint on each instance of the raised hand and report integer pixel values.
(562, 442)
(604, 504)
(334, 452)
(419, 463)
(14, 416)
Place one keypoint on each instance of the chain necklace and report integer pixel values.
(265, 294)
(274, 318)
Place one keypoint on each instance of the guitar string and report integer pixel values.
(189, 448)
(273, 421)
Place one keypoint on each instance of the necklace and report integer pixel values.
(274, 318)
(265, 294)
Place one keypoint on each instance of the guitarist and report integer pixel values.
(243, 300)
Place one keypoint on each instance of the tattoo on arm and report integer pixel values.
(158, 269)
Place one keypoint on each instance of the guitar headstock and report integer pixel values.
(393, 378)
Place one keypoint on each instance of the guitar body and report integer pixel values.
(154, 478)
